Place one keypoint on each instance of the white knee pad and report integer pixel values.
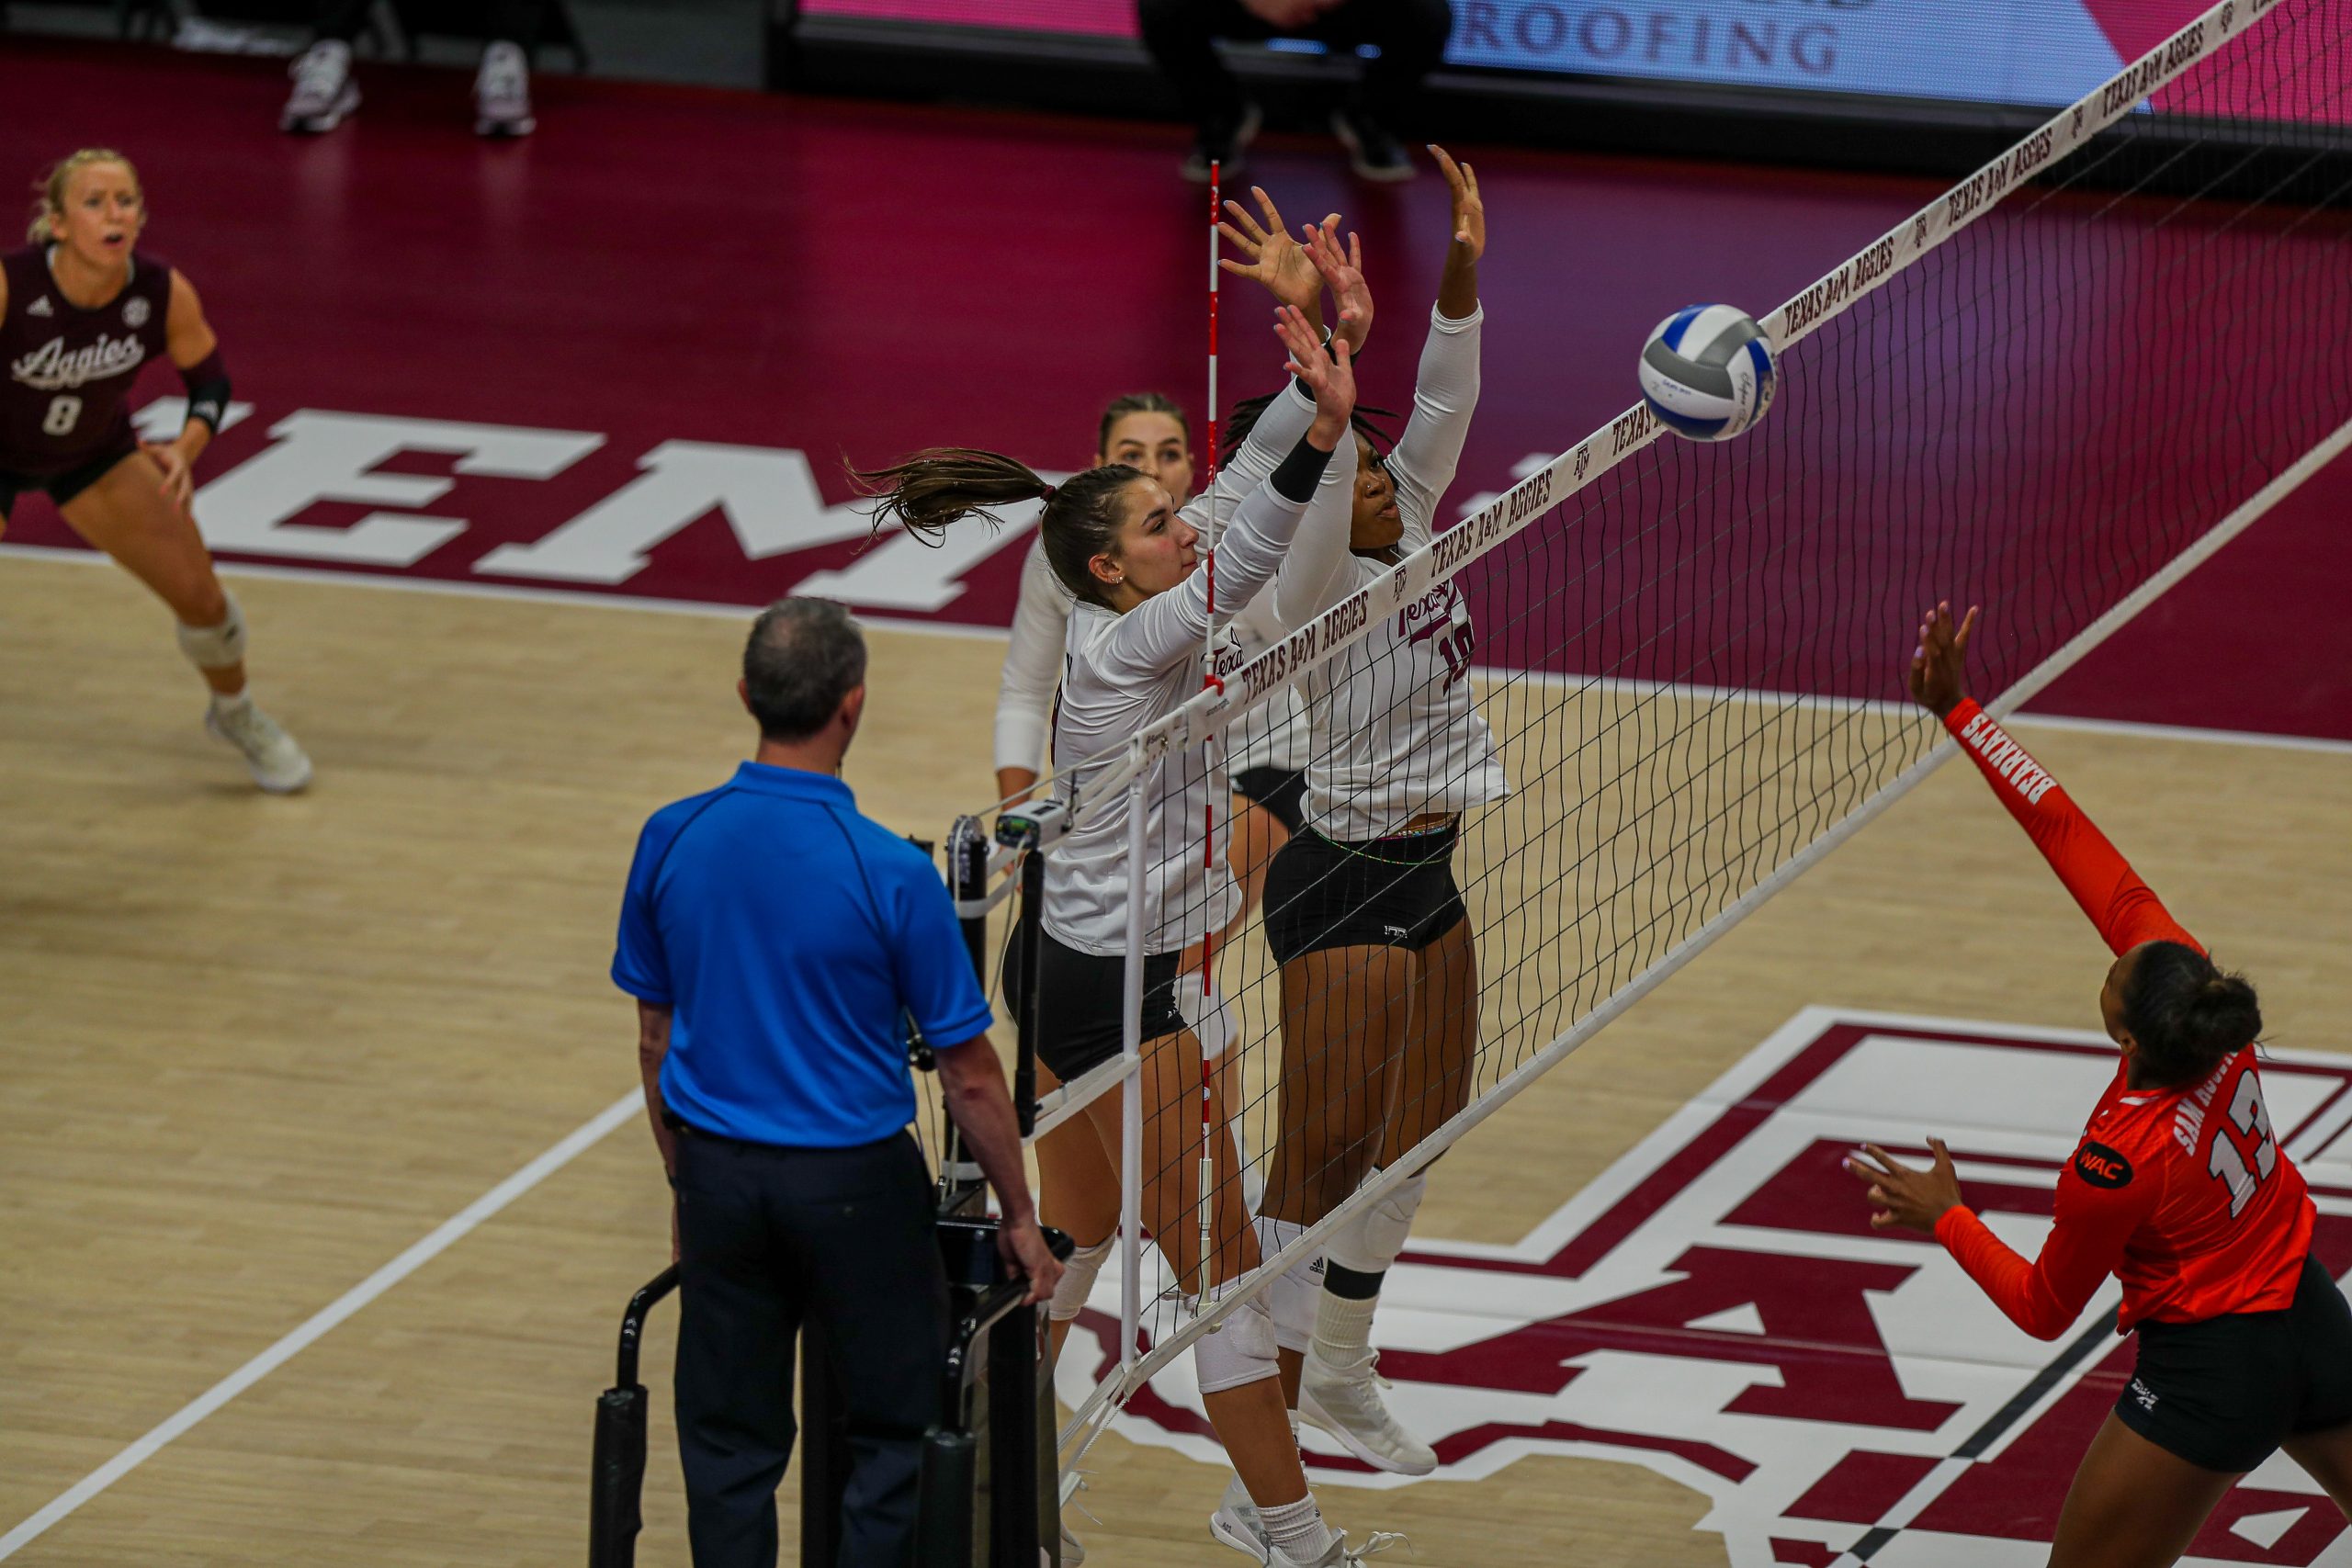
(216, 647)
(1078, 1279)
(1370, 1243)
(1294, 1294)
(1238, 1352)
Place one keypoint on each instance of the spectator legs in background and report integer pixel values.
(324, 92)
(502, 87)
(1409, 34)
(1182, 36)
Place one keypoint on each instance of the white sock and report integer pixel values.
(1297, 1529)
(1343, 1330)
(224, 702)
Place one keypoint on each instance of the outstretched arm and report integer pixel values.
(1279, 262)
(1446, 390)
(1283, 419)
(2044, 1296)
(2102, 882)
(1170, 626)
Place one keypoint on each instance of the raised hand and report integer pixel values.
(1904, 1197)
(1332, 378)
(1940, 663)
(1469, 210)
(1342, 274)
(1275, 259)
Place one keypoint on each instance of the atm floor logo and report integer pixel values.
(1717, 1308)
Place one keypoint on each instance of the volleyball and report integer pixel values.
(1707, 372)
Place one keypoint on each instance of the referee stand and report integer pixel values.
(988, 1488)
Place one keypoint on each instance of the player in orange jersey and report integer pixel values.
(2179, 1189)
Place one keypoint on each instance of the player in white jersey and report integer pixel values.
(1379, 972)
(1265, 758)
(1114, 539)
(1265, 763)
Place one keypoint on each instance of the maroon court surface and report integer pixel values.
(628, 355)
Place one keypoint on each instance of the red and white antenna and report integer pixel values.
(1208, 811)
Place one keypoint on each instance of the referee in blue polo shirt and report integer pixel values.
(776, 943)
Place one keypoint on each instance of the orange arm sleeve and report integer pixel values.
(2044, 1296)
(2101, 880)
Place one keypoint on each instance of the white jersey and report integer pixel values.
(1395, 731)
(1273, 735)
(1122, 672)
(1033, 663)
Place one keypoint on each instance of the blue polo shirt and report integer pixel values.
(789, 934)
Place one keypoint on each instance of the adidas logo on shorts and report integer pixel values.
(2143, 1394)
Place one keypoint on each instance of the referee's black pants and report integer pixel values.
(770, 1236)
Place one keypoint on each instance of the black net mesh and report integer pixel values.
(1691, 668)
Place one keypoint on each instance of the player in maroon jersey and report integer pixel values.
(82, 312)
(2179, 1189)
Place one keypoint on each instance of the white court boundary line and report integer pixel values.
(442, 1238)
(966, 631)
(573, 597)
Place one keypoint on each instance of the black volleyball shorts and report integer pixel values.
(1394, 892)
(1081, 999)
(1280, 792)
(64, 487)
(2224, 1393)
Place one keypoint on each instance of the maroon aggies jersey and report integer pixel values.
(66, 400)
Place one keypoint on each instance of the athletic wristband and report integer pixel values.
(1293, 479)
(207, 391)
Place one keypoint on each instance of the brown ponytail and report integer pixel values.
(934, 489)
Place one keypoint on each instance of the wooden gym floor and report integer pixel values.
(258, 1047)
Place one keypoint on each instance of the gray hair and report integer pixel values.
(803, 657)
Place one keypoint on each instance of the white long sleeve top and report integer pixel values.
(1121, 673)
(1395, 731)
(1033, 663)
(1273, 735)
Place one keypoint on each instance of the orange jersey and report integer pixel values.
(2182, 1193)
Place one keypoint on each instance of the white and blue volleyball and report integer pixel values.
(1707, 372)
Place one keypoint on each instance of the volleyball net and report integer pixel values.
(2052, 390)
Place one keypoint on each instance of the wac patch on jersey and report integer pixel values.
(1717, 1308)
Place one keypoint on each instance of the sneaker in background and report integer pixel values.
(1371, 151)
(324, 91)
(1222, 143)
(502, 92)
